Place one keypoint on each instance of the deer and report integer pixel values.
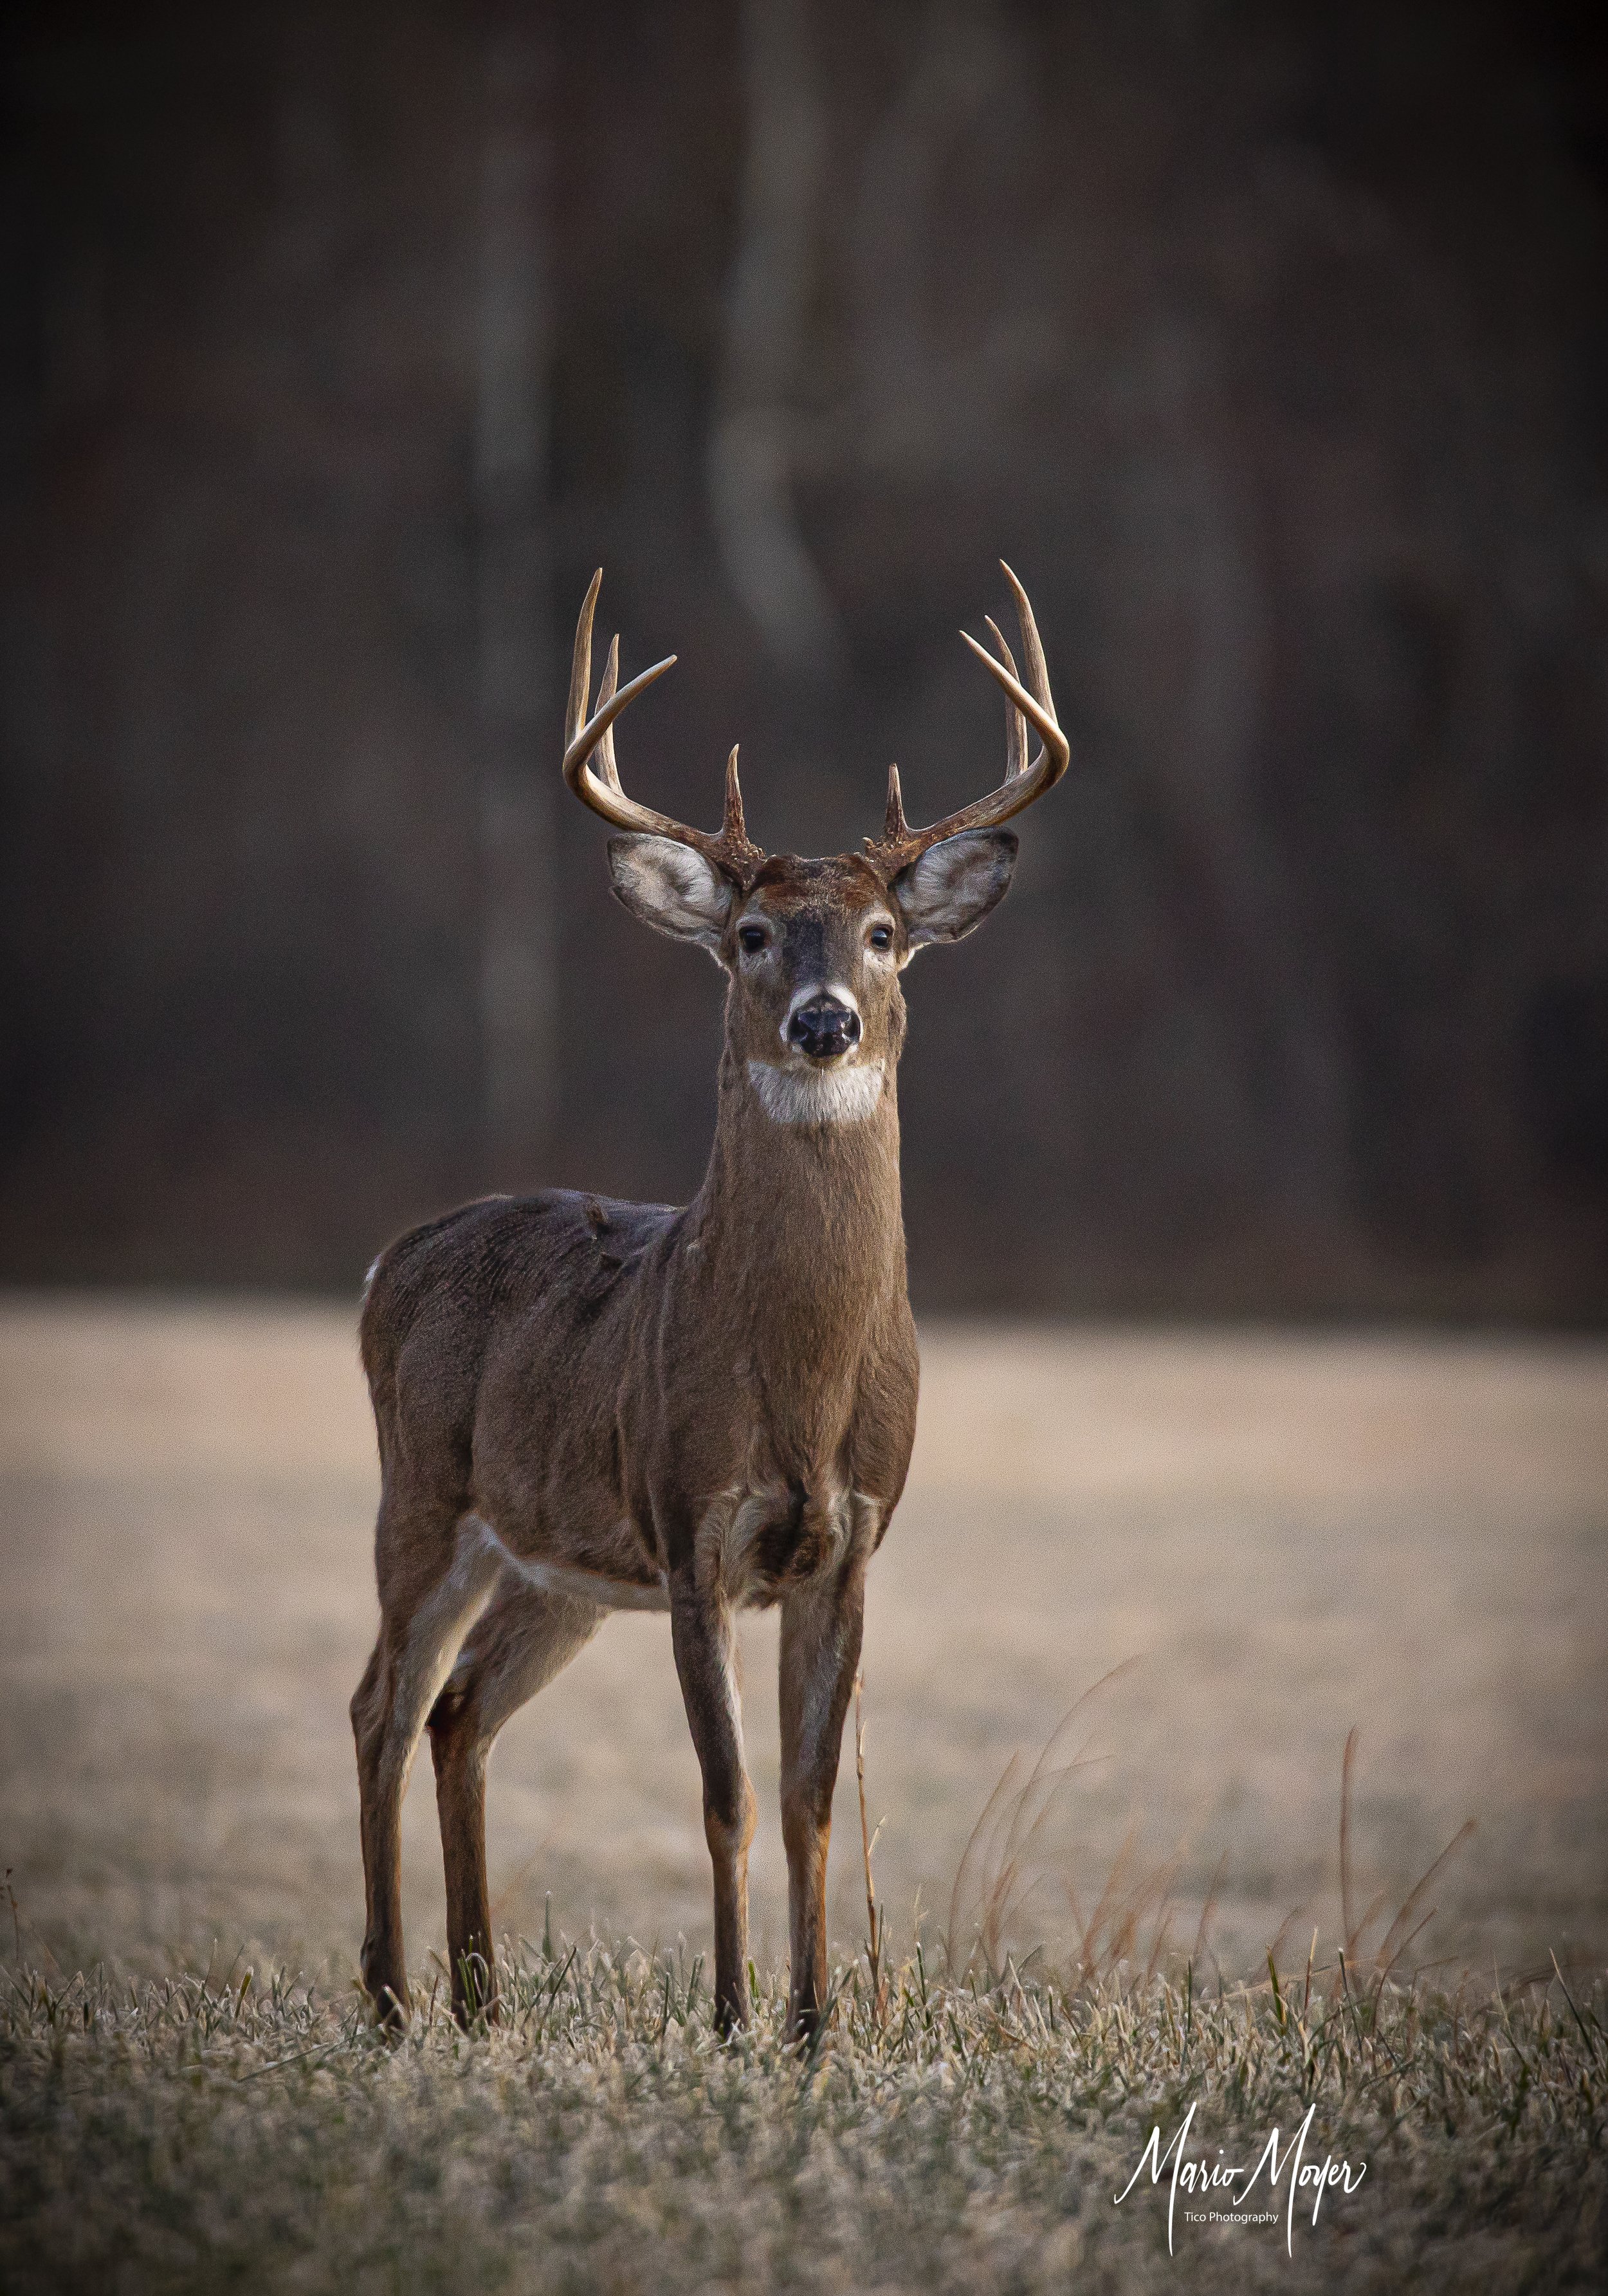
(585, 1406)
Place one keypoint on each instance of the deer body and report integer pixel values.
(584, 1405)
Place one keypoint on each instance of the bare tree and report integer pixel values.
(752, 444)
(513, 335)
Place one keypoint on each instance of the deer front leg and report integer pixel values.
(821, 1626)
(701, 1632)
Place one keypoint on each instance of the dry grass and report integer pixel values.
(212, 2132)
(1247, 1544)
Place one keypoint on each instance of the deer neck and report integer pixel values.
(801, 1219)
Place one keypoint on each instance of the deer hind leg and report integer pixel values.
(821, 1627)
(701, 1632)
(435, 1581)
(524, 1639)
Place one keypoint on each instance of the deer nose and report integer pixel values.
(822, 1029)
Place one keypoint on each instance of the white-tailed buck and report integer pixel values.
(585, 1405)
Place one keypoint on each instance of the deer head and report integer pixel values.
(814, 948)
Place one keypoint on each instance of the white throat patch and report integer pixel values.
(817, 1096)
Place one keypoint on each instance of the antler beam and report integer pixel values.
(900, 845)
(730, 850)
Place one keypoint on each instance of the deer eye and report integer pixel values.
(750, 938)
(880, 936)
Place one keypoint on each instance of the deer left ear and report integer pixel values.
(949, 893)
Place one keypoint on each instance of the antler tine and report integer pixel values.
(733, 829)
(1038, 676)
(581, 662)
(1016, 725)
(606, 693)
(900, 845)
(895, 827)
(730, 850)
(1055, 753)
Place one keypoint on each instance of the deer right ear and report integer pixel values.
(671, 888)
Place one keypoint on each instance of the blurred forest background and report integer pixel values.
(1267, 340)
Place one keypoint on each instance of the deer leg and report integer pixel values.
(821, 1625)
(700, 1633)
(422, 1627)
(522, 1643)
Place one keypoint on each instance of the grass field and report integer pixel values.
(1276, 1539)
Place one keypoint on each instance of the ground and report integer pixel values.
(1279, 1539)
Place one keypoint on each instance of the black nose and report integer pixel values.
(824, 1027)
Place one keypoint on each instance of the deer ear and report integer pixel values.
(671, 888)
(949, 893)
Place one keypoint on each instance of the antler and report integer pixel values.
(900, 845)
(731, 850)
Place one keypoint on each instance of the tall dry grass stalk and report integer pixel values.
(1127, 1933)
(1356, 1961)
(1001, 1866)
(876, 1920)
